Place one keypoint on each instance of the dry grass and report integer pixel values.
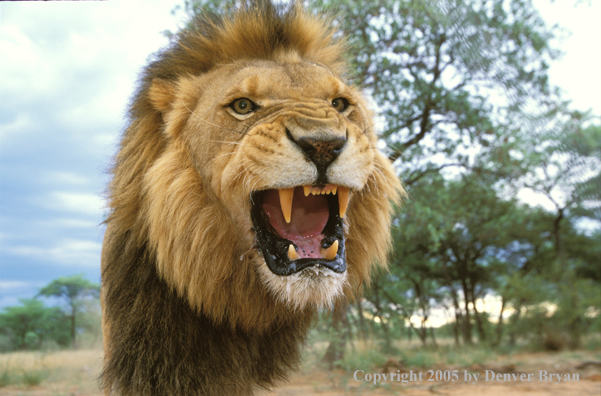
(60, 373)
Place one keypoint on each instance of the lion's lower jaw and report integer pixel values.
(315, 288)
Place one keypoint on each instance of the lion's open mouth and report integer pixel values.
(301, 227)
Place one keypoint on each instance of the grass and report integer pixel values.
(5, 376)
(63, 372)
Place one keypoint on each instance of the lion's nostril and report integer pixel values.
(321, 152)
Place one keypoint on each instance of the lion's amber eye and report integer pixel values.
(242, 106)
(340, 104)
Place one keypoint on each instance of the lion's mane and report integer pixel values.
(185, 310)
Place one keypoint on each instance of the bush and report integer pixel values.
(6, 343)
(5, 376)
(554, 342)
(34, 377)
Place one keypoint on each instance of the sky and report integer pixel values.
(67, 71)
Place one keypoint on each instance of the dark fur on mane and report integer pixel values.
(162, 347)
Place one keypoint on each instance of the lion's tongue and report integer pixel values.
(309, 217)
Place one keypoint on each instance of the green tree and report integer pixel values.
(30, 324)
(73, 291)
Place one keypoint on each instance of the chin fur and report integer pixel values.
(316, 288)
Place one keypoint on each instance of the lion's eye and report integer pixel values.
(340, 104)
(242, 106)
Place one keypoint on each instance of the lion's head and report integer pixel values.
(251, 169)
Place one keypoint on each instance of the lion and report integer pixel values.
(248, 193)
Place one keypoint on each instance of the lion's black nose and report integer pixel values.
(321, 152)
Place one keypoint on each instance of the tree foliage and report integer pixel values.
(33, 325)
(73, 291)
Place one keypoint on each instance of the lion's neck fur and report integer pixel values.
(159, 345)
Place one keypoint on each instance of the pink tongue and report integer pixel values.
(309, 217)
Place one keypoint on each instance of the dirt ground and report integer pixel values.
(324, 385)
(520, 374)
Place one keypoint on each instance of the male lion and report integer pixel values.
(248, 193)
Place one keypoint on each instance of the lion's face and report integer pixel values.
(294, 143)
(287, 152)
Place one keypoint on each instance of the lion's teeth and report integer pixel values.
(329, 253)
(334, 190)
(343, 198)
(307, 190)
(292, 253)
(286, 195)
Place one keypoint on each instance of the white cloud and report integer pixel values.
(82, 203)
(75, 223)
(65, 177)
(578, 71)
(82, 253)
(7, 286)
(12, 291)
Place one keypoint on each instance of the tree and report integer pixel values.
(73, 290)
(433, 67)
(30, 324)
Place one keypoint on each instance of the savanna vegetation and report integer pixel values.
(64, 314)
(474, 127)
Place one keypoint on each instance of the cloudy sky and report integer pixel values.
(67, 70)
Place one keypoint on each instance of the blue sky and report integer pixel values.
(67, 70)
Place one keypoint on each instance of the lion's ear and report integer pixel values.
(161, 94)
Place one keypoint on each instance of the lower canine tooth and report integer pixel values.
(343, 198)
(292, 253)
(329, 253)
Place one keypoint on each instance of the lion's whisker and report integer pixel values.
(221, 155)
(226, 142)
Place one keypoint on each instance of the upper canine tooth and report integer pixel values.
(343, 198)
(286, 195)
(329, 253)
(307, 190)
(292, 253)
